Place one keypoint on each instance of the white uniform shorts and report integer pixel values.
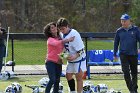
(75, 67)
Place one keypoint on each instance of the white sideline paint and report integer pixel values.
(27, 69)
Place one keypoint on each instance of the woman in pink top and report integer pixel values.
(53, 61)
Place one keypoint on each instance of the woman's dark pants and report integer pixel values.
(54, 72)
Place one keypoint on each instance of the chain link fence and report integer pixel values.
(28, 51)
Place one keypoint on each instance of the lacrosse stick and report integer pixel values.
(35, 88)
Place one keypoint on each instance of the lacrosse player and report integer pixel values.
(76, 59)
(2, 46)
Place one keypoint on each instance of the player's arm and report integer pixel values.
(68, 40)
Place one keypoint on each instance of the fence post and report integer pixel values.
(85, 73)
(12, 45)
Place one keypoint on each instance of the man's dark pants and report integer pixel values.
(129, 65)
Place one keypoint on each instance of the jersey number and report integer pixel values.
(66, 46)
(98, 52)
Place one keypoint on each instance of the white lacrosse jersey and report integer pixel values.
(74, 46)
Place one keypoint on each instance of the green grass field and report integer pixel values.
(112, 81)
(33, 52)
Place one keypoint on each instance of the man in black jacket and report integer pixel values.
(126, 39)
(2, 46)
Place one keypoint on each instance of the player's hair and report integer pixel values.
(62, 22)
(47, 31)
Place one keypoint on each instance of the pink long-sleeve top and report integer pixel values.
(54, 47)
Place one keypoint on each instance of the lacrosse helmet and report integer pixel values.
(11, 73)
(5, 75)
(10, 63)
(87, 86)
(14, 88)
(101, 88)
(44, 81)
(9, 89)
(17, 87)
